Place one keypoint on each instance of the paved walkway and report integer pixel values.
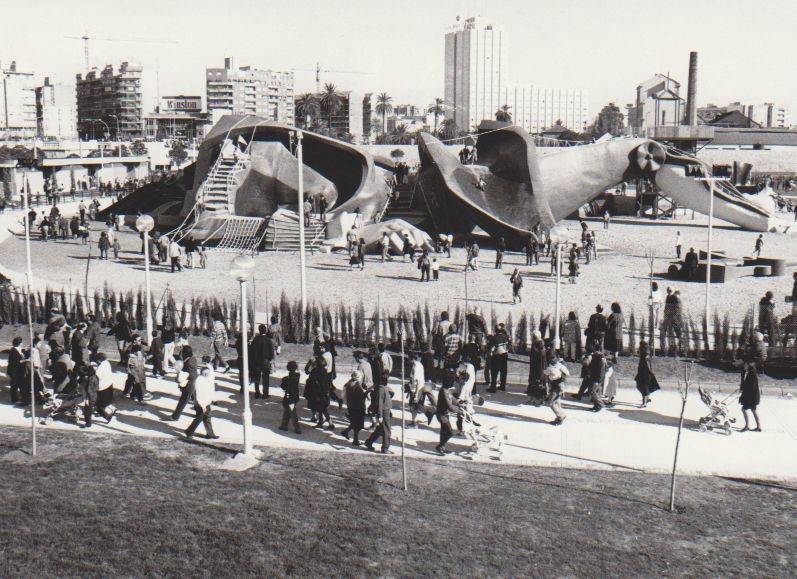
(625, 437)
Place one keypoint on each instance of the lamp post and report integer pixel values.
(241, 269)
(117, 127)
(710, 181)
(303, 279)
(144, 224)
(107, 131)
(29, 282)
(559, 235)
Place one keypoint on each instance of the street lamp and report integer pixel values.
(117, 126)
(710, 180)
(241, 269)
(303, 275)
(144, 224)
(559, 235)
(28, 284)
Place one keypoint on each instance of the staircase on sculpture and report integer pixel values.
(216, 201)
(407, 205)
(282, 232)
(216, 193)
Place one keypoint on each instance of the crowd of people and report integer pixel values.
(442, 383)
(173, 253)
(428, 263)
(66, 361)
(55, 191)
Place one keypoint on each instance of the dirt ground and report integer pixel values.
(620, 274)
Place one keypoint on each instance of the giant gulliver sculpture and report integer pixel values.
(511, 189)
(246, 167)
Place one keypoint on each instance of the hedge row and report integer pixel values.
(353, 325)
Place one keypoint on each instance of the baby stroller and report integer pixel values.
(718, 418)
(484, 438)
(64, 406)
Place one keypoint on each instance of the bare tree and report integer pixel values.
(683, 390)
(650, 257)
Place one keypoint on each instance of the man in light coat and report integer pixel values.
(204, 397)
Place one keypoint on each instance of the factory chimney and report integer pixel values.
(691, 95)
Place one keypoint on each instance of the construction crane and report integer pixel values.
(85, 38)
(318, 70)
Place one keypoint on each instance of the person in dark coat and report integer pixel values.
(767, 320)
(80, 346)
(311, 387)
(596, 327)
(500, 249)
(614, 331)
(446, 407)
(66, 338)
(123, 335)
(498, 350)
(158, 352)
(754, 356)
(384, 404)
(290, 385)
(93, 332)
(319, 384)
(646, 381)
(586, 359)
(61, 370)
(16, 369)
(596, 373)
(374, 359)
(262, 354)
(355, 406)
(750, 395)
(90, 385)
(537, 364)
(691, 263)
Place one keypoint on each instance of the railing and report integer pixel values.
(201, 190)
(177, 233)
(231, 182)
(315, 242)
(381, 213)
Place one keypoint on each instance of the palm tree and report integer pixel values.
(436, 109)
(400, 136)
(307, 107)
(384, 108)
(449, 129)
(503, 114)
(331, 101)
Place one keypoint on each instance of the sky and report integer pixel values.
(604, 46)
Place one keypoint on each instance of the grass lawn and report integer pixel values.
(97, 505)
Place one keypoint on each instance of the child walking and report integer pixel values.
(517, 284)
